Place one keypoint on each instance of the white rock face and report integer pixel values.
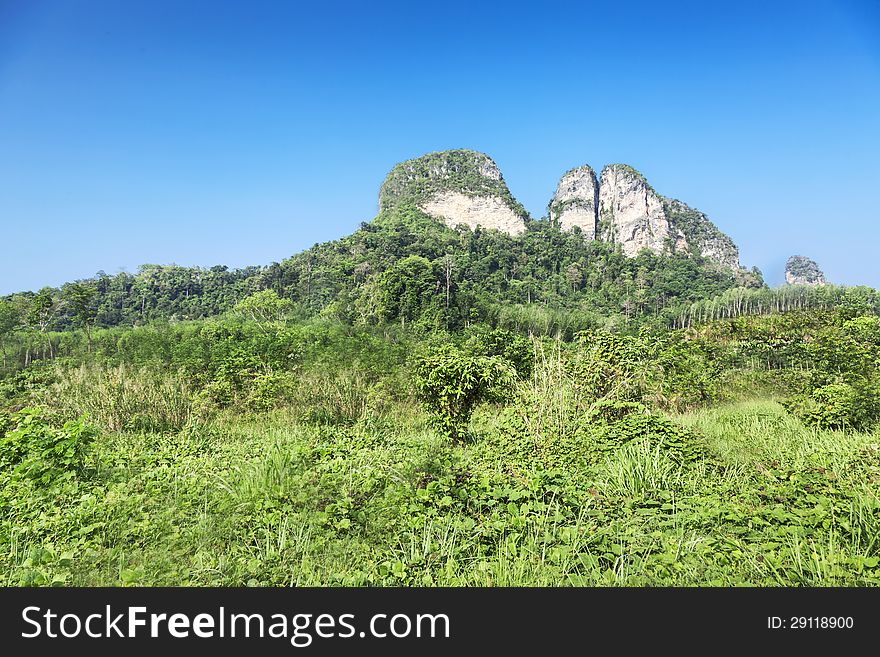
(576, 201)
(488, 169)
(791, 279)
(721, 254)
(454, 208)
(631, 212)
(455, 187)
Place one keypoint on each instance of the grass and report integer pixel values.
(278, 499)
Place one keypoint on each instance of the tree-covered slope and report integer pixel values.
(403, 267)
(406, 267)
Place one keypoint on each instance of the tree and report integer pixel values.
(8, 323)
(451, 383)
(82, 298)
(42, 309)
(264, 306)
(408, 291)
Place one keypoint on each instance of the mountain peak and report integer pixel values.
(622, 207)
(800, 270)
(575, 202)
(456, 187)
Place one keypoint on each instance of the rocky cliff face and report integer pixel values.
(630, 212)
(622, 207)
(576, 201)
(800, 270)
(455, 187)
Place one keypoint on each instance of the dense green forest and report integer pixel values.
(401, 268)
(424, 406)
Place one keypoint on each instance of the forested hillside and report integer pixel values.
(401, 268)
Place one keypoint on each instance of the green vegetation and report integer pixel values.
(262, 449)
(738, 302)
(423, 406)
(451, 384)
(402, 268)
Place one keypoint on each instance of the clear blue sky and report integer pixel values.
(239, 133)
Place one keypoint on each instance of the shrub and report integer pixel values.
(513, 348)
(451, 383)
(31, 448)
(684, 374)
(680, 443)
(609, 366)
(609, 410)
(264, 306)
(836, 406)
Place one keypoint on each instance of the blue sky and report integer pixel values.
(234, 133)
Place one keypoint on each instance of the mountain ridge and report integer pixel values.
(466, 187)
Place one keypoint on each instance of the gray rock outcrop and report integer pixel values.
(800, 270)
(622, 207)
(466, 187)
(631, 213)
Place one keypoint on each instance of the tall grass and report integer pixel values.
(549, 401)
(542, 320)
(124, 398)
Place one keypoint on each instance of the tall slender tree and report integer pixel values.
(82, 298)
(9, 321)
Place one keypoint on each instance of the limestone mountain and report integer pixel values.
(455, 187)
(466, 187)
(800, 270)
(622, 207)
(576, 201)
(694, 232)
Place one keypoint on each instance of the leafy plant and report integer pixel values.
(609, 366)
(451, 383)
(510, 346)
(836, 406)
(34, 449)
(264, 306)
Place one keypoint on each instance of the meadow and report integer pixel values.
(676, 458)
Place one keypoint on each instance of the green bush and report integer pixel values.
(837, 406)
(684, 373)
(609, 410)
(451, 383)
(513, 348)
(609, 366)
(680, 443)
(32, 448)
